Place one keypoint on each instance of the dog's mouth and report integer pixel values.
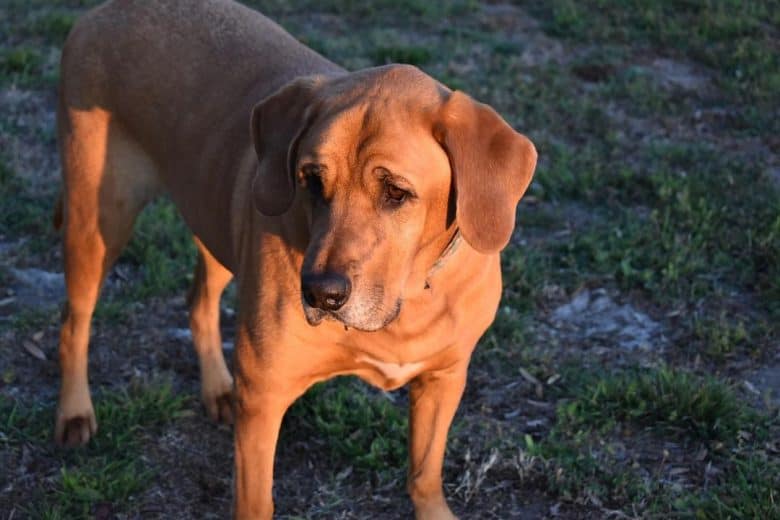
(365, 323)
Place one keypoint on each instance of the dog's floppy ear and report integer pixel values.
(278, 122)
(492, 166)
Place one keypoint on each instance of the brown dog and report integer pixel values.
(362, 214)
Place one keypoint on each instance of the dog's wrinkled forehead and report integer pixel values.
(389, 86)
(374, 111)
(380, 96)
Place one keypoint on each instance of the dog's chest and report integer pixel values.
(388, 375)
(389, 362)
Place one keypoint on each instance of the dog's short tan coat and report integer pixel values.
(286, 165)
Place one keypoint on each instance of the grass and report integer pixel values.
(23, 212)
(750, 490)
(376, 11)
(724, 337)
(21, 62)
(583, 458)
(162, 249)
(695, 240)
(110, 468)
(731, 37)
(413, 55)
(28, 321)
(672, 401)
(360, 427)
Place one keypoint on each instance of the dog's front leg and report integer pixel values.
(257, 430)
(259, 412)
(434, 398)
(262, 393)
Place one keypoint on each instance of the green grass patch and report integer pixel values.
(20, 211)
(643, 93)
(525, 271)
(109, 468)
(735, 38)
(163, 250)
(53, 26)
(360, 427)
(709, 223)
(670, 401)
(581, 470)
(504, 346)
(20, 62)
(723, 336)
(750, 489)
(23, 212)
(114, 309)
(375, 11)
(411, 54)
(583, 458)
(27, 321)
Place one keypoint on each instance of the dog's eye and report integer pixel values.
(311, 180)
(395, 195)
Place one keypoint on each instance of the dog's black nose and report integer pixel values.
(326, 291)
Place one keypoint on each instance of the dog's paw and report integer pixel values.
(217, 393)
(435, 511)
(220, 408)
(75, 429)
(218, 400)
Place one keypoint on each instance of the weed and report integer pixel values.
(361, 427)
(27, 321)
(581, 469)
(696, 239)
(748, 490)
(722, 337)
(404, 8)
(162, 248)
(731, 37)
(670, 400)
(21, 61)
(412, 55)
(525, 273)
(113, 309)
(109, 469)
(582, 459)
(22, 212)
(53, 26)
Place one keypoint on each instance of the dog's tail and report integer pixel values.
(57, 217)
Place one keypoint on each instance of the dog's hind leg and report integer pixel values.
(108, 179)
(210, 280)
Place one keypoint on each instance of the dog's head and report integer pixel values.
(385, 162)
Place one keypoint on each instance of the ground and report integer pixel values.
(633, 369)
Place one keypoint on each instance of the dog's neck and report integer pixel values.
(445, 255)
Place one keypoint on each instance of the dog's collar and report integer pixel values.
(452, 246)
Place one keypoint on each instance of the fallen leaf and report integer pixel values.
(751, 388)
(34, 350)
(528, 377)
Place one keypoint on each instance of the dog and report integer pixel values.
(362, 214)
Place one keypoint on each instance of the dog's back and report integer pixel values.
(139, 56)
